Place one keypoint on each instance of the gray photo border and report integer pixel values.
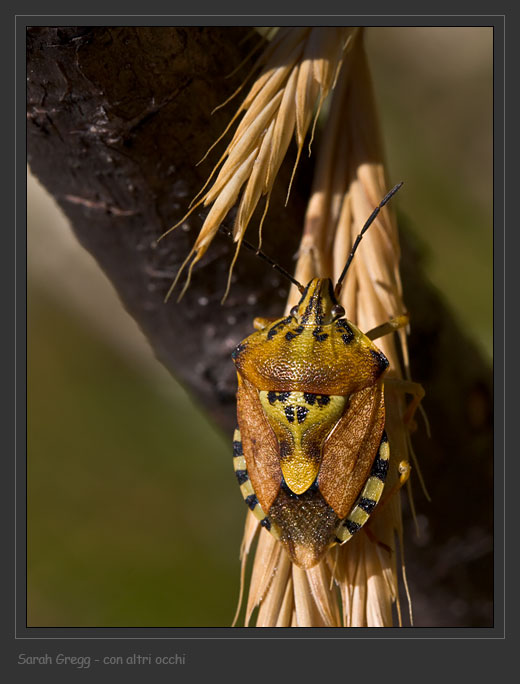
(216, 640)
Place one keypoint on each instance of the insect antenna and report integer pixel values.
(367, 225)
(264, 256)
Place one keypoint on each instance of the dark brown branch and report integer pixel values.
(117, 119)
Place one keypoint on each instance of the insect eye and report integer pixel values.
(337, 311)
(294, 312)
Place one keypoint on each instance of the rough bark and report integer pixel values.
(117, 119)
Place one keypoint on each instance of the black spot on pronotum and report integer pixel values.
(301, 413)
(343, 327)
(274, 330)
(323, 399)
(237, 449)
(380, 469)
(289, 413)
(297, 331)
(237, 350)
(242, 476)
(351, 526)
(266, 523)
(251, 501)
(309, 398)
(367, 504)
(276, 327)
(380, 359)
(319, 335)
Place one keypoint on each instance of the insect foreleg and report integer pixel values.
(389, 327)
(259, 323)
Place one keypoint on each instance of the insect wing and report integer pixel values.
(351, 449)
(259, 444)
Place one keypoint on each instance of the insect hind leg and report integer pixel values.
(416, 390)
(404, 473)
(406, 386)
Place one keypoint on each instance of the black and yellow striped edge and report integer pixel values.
(239, 464)
(369, 497)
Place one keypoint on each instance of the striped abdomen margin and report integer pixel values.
(239, 464)
(370, 495)
(365, 504)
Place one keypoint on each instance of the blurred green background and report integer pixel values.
(134, 517)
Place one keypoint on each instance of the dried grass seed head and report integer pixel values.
(300, 67)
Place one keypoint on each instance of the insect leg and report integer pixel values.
(389, 327)
(260, 323)
(405, 469)
(417, 392)
(375, 540)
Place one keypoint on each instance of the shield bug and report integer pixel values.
(310, 450)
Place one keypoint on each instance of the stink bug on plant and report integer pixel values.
(310, 451)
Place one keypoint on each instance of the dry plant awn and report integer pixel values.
(300, 68)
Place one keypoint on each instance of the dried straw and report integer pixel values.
(299, 69)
